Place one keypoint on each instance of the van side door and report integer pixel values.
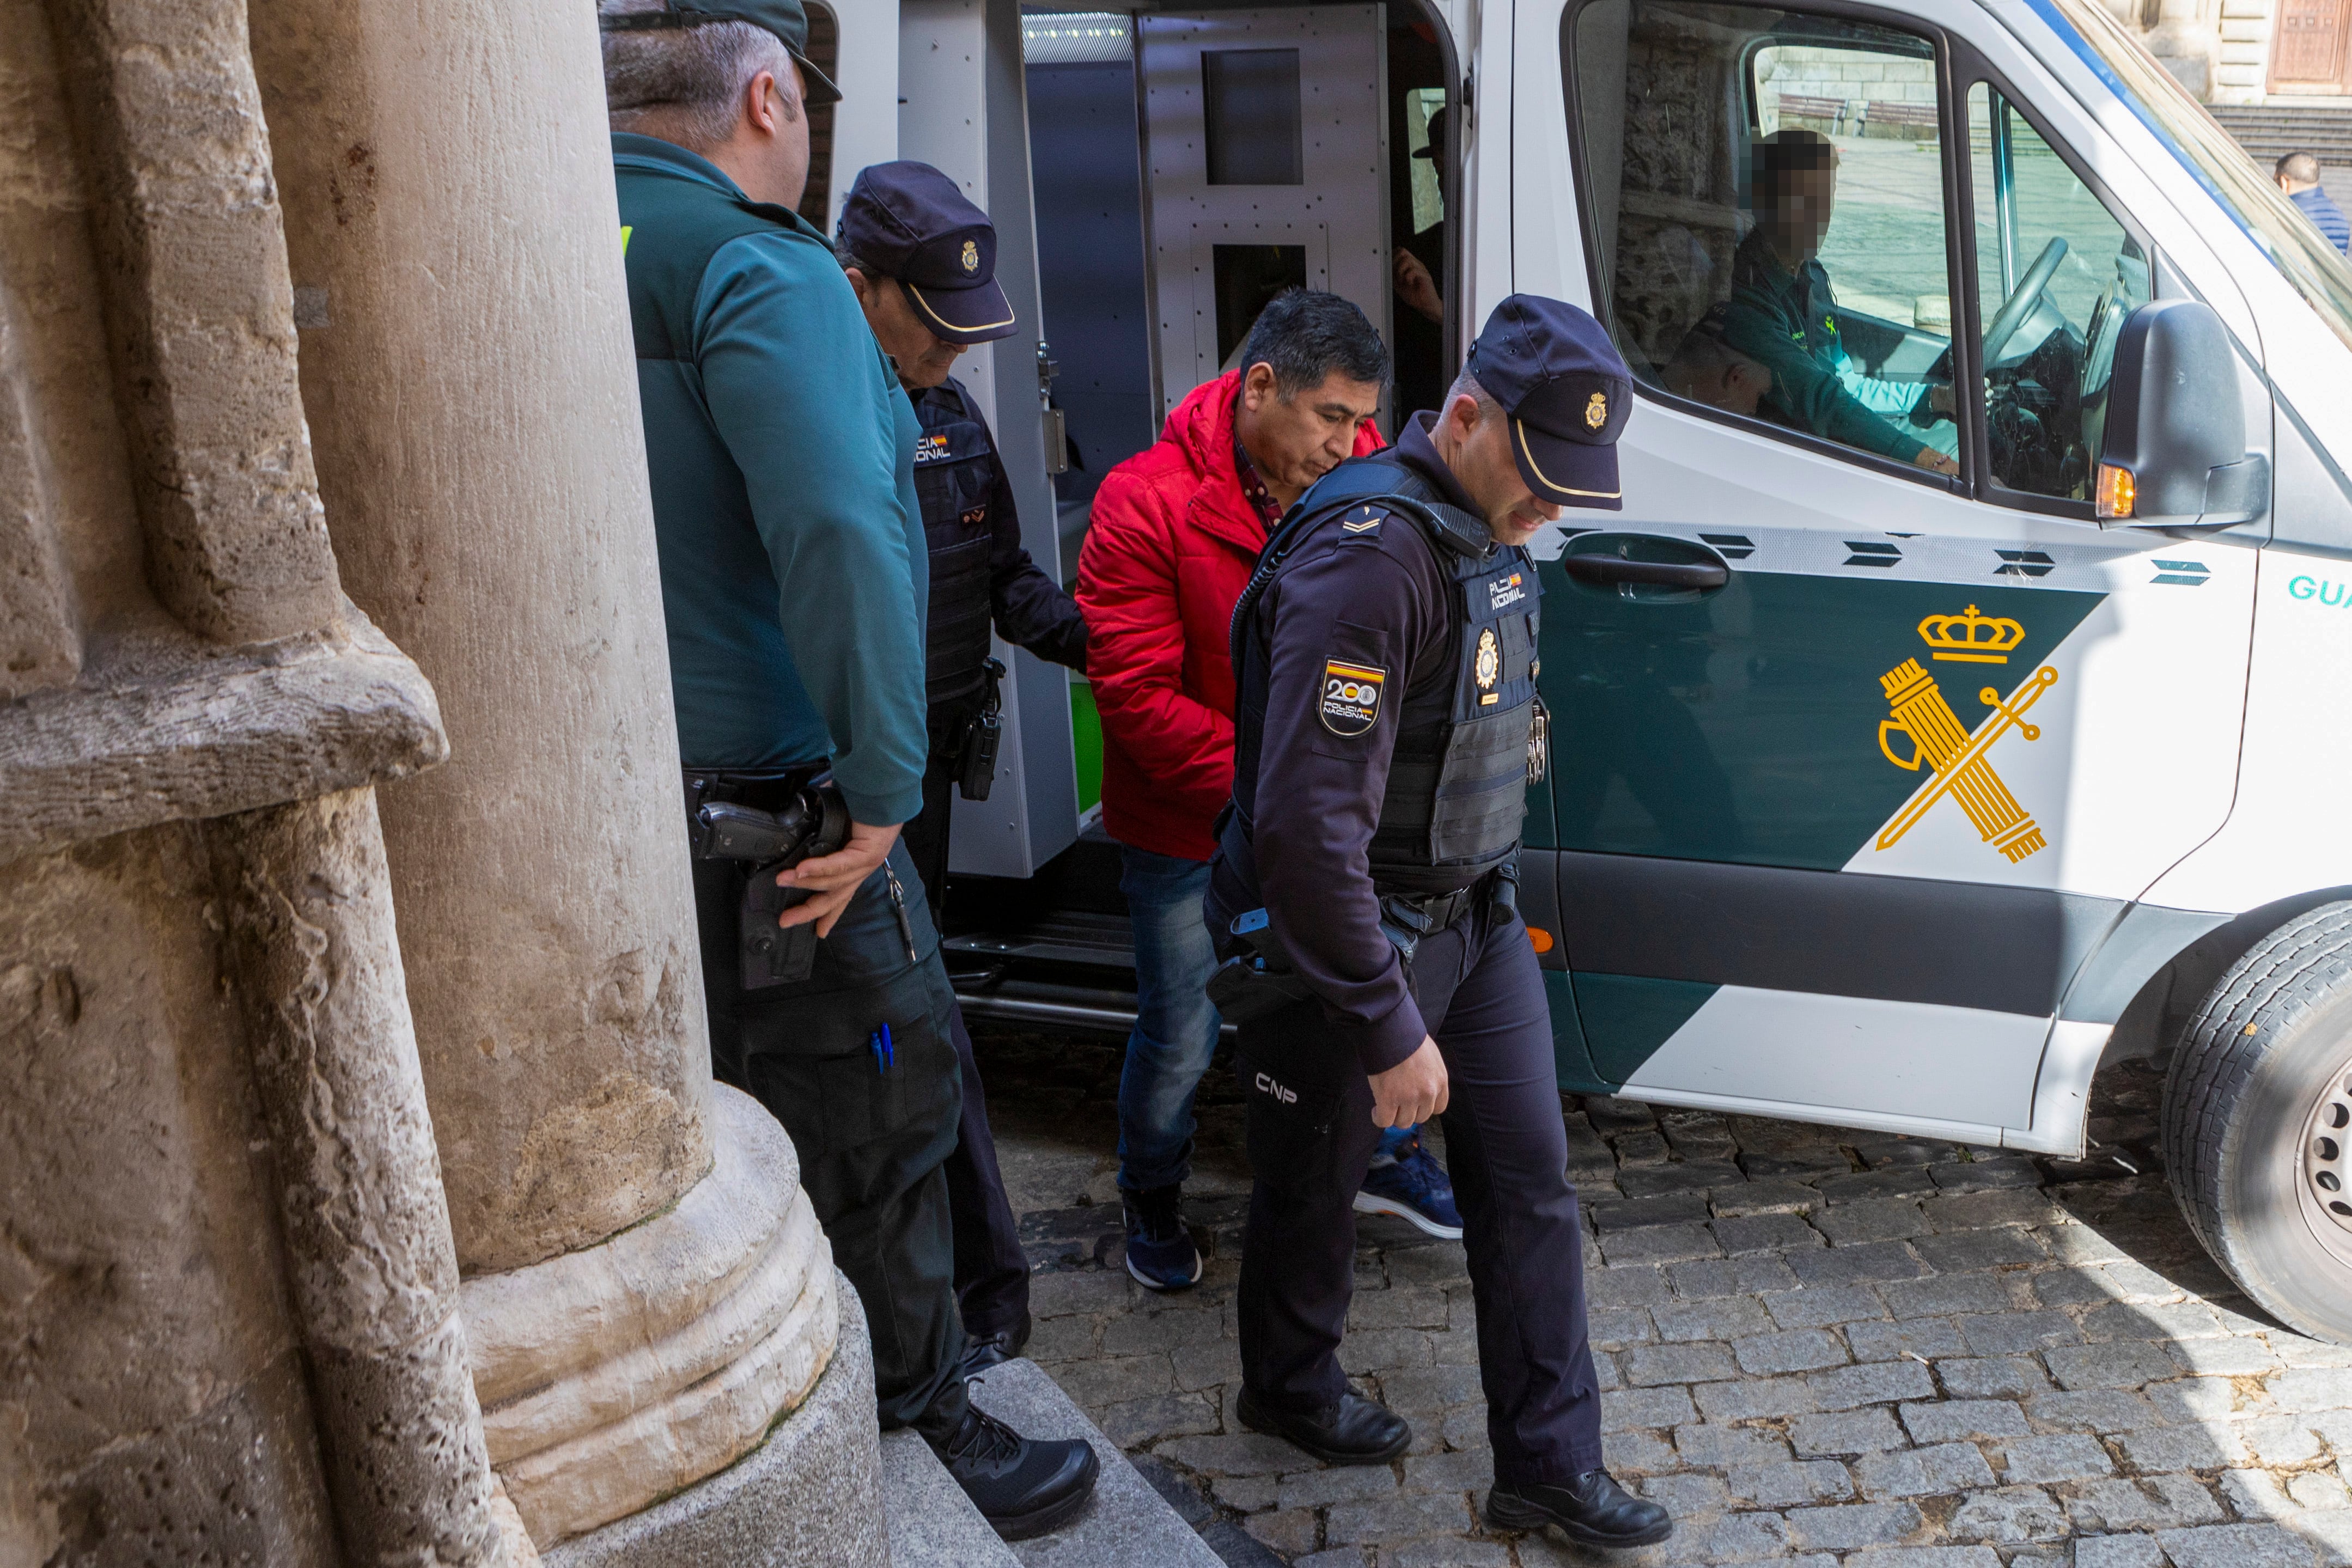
(1833, 840)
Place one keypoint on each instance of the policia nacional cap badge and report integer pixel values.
(1352, 696)
(1567, 391)
(910, 222)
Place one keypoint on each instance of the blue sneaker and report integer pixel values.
(1159, 1250)
(1414, 1187)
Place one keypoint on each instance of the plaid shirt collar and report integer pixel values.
(1254, 490)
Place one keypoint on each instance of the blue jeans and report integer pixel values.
(1175, 1023)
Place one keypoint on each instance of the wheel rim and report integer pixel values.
(2328, 1152)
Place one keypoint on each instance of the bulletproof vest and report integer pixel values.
(955, 483)
(1458, 776)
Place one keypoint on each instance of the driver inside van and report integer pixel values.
(1781, 313)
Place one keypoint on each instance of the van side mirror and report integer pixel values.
(2175, 451)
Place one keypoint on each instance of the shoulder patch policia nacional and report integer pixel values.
(1351, 696)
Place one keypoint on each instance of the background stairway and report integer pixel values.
(2269, 131)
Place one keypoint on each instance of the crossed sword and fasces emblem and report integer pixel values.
(1961, 758)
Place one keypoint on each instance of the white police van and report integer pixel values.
(1883, 795)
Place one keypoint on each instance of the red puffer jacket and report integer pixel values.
(1169, 550)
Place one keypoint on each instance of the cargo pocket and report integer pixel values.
(833, 1090)
(1295, 1091)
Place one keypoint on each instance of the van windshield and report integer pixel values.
(2318, 271)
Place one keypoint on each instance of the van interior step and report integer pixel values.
(1079, 938)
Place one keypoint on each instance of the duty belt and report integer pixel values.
(1407, 917)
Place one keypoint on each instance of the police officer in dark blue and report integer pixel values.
(922, 260)
(1364, 892)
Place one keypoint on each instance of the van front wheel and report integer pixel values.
(2258, 1123)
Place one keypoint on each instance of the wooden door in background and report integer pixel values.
(2309, 54)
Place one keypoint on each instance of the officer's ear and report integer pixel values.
(860, 285)
(1461, 413)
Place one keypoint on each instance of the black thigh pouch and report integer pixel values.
(812, 1051)
(1295, 1078)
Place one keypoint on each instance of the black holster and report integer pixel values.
(978, 738)
(767, 954)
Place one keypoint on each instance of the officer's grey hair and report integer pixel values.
(2303, 168)
(686, 84)
(1467, 385)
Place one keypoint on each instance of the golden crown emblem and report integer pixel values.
(1971, 638)
(972, 256)
(1596, 412)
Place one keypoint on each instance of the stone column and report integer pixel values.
(646, 1292)
(226, 1285)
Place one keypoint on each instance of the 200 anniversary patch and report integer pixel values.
(1352, 696)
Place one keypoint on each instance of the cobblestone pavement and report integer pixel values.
(1818, 1346)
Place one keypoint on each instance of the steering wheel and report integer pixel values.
(2023, 299)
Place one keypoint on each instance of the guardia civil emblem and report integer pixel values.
(1961, 758)
(1596, 412)
(1489, 665)
(972, 256)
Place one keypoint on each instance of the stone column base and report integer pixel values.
(808, 1497)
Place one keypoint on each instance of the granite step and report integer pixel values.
(932, 1524)
(1129, 1524)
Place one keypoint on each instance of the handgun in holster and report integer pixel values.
(984, 732)
(1258, 980)
(814, 822)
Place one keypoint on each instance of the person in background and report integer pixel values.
(2298, 176)
(1176, 532)
(780, 453)
(922, 261)
(1782, 314)
(1707, 370)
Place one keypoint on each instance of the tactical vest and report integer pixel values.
(955, 480)
(1467, 737)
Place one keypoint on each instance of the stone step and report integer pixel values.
(1129, 1524)
(932, 1523)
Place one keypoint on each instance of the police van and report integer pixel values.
(1922, 745)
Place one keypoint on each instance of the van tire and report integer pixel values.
(2261, 1082)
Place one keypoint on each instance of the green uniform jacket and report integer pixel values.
(1788, 322)
(782, 451)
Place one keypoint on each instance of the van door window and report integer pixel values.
(2056, 275)
(1770, 203)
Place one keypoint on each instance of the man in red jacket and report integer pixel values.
(1175, 533)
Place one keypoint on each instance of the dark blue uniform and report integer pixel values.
(1388, 721)
(980, 575)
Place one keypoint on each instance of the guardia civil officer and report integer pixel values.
(922, 259)
(1387, 725)
(780, 452)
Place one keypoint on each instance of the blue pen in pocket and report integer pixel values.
(880, 1043)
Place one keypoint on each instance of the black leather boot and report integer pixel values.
(983, 1351)
(1591, 1511)
(1355, 1431)
(1022, 1486)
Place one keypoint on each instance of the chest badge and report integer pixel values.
(1352, 696)
(1488, 667)
(931, 447)
(972, 256)
(1596, 412)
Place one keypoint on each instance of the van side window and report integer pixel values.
(1769, 199)
(2056, 275)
